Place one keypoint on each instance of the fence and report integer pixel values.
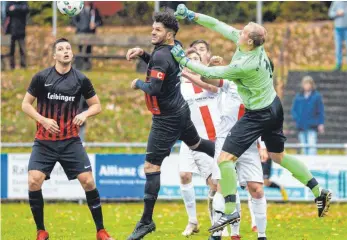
(121, 177)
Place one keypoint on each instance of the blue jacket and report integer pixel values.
(340, 22)
(308, 113)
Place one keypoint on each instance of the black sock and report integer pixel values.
(36, 205)
(274, 185)
(94, 204)
(206, 146)
(152, 188)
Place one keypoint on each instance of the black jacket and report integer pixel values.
(82, 20)
(18, 18)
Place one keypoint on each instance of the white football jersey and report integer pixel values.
(204, 107)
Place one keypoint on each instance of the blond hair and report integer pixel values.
(309, 79)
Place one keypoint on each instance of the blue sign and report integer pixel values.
(120, 175)
(3, 175)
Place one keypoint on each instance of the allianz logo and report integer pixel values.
(115, 170)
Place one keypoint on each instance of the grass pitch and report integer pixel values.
(73, 221)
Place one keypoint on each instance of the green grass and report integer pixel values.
(73, 221)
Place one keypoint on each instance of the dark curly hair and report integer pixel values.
(167, 18)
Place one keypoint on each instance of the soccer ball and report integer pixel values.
(70, 8)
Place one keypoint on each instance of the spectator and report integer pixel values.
(308, 113)
(83, 106)
(17, 13)
(87, 22)
(338, 12)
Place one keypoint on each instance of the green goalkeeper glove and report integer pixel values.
(182, 12)
(179, 55)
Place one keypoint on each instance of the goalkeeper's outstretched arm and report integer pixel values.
(214, 24)
(227, 31)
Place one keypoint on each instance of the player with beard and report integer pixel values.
(171, 115)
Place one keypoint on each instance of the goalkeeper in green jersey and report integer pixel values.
(250, 70)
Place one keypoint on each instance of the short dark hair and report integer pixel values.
(192, 50)
(59, 41)
(200, 41)
(168, 19)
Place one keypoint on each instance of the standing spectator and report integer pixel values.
(338, 12)
(308, 113)
(87, 22)
(17, 13)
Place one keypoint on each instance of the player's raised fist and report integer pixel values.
(134, 53)
(182, 12)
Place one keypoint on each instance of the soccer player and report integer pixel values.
(248, 165)
(251, 71)
(58, 90)
(205, 114)
(171, 115)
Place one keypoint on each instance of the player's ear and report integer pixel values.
(54, 56)
(250, 42)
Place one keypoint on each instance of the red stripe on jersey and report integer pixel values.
(206, 117)
(155, 108)
(55, 117)
(157, 74)
(241, 111)
(47, 133)
(61, 123)
(40, 129)
(74, 131)
(221, 83)
(197, 89)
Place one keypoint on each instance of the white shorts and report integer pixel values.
(197, 162)
(248, 166)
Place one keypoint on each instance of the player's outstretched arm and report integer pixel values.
(27, 107)
(227, 31)
(209, 85)
(217, 72)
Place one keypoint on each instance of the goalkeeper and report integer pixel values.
(250, 70)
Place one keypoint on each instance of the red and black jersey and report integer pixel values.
(58, 97)
(162, 85)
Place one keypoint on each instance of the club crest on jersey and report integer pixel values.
(157, 74)
(55, 96)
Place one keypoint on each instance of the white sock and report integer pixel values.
(210, 198)
(251, 210)
(188, 194)
(218, 207)
(235, 228)
(259, 209)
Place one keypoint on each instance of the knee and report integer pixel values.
(87, 183)
(35, 181)
(186, 177)
(276, 157)
(149, 167)
(224, 156)
(256, 190)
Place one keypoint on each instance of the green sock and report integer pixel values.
(300, 172)
(228, 183)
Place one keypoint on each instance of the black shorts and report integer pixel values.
(166, 130)
(267, 123)
(267, 168)
(70, 153)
